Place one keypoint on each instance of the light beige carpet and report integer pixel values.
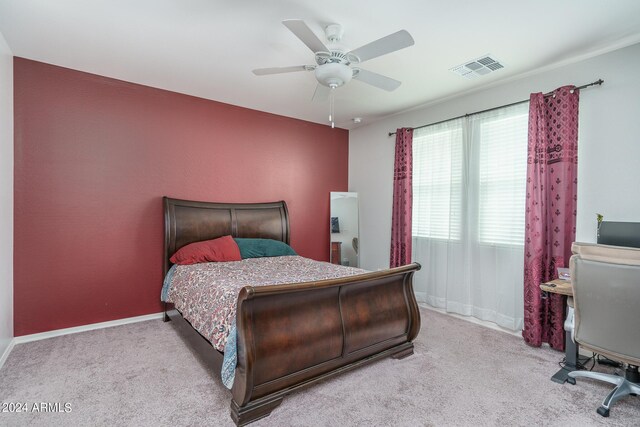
(462, 374)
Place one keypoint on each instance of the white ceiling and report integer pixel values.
(207, 48)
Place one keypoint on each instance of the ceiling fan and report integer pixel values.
(336, 66)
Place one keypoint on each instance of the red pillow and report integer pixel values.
(216, 250)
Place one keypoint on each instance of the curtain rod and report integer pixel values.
(596, 83)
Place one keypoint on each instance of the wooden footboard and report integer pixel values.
(290, 336)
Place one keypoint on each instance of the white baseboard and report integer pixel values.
(74, 330)
(67, 331)
(7, 350)
(472, 319)
(83, 328)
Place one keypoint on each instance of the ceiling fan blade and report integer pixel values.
(388, 44)
(279, 70)
(377, 80)
(304, 33)
(321, 93)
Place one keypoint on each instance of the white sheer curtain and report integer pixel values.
(468, 214)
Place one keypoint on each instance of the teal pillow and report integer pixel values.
(256, 248)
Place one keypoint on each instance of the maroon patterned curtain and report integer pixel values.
(550, 209)
(402, 199)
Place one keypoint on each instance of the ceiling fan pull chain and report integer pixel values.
(332, 106)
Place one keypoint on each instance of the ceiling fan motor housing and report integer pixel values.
(333, 74)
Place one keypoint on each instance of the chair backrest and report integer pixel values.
(606, 292)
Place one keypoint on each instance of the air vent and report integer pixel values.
(478, 67)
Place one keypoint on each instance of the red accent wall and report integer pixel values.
(93, 158)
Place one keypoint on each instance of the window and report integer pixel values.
(469, 178)
(502, 179)
(437, 182)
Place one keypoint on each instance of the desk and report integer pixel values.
(563, 287)
(558, 286)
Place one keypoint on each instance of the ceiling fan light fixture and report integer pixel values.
(333, 74)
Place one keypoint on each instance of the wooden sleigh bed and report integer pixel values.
(293, 335)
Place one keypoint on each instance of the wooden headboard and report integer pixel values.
(187, 221)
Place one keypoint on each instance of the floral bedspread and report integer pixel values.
(207, 294)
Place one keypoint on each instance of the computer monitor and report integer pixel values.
(619, 234)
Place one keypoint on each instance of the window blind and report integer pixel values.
(502, 177)
(437, 181)
(469, 178)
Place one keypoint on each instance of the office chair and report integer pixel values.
(606, 296)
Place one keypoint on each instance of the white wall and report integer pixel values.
(608, 147)
(6, 196)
